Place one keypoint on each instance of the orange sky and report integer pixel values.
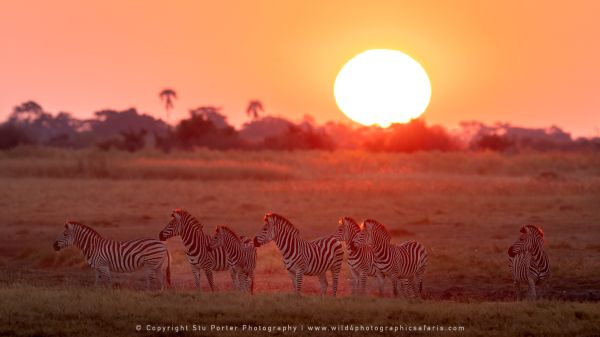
(532, 64)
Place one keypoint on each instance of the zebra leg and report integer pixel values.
(517, 290)
(196, 272)
(235, 279)
(355, 278)
(532, 293)
(362, 283)
(335, 276)
(298, 282)
(251, 276)
(323, 281)
(103, 275)
(209, 277)
(380, 281)
(395, 286)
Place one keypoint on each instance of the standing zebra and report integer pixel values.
(527, 260)
(105, 255)
(196, 243)
(405, 262)
(360, 259)
(241, 257)
(302, 257)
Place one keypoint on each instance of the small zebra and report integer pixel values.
(527, 260)
(405, 262)
(302, 257)
(360, 260)
(196, 243)
(241, 255)
(105, 255)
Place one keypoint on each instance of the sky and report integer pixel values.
(529, 63)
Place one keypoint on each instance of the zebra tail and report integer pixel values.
(168, 272)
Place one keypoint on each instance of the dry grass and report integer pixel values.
(465, 208)
(77, 311)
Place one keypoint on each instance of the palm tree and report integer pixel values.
(167, 96)
(253, 109)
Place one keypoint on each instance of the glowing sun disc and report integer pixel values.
(382, 86)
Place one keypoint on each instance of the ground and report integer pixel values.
(466, 208)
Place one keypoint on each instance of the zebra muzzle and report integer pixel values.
(256, 243)
(56, 246)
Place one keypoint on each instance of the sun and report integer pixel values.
(382, 86)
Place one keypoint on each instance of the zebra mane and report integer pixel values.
(85, 228)
(536, 229)
(282, 220)
(376, 226)
(352, 222)
(374, 222)
(193, 222)
(230, 231)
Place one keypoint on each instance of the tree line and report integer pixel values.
(207, 127)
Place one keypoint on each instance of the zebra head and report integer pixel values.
(267, 233)
(376, 232)
(179, 219)
(531, 240)
(347, 229)
(218, 239)
(67, 238)
(361, 239)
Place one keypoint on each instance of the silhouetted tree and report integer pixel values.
(212, 114)
(494, 142)
(299, 138)
(167, 96)
(253, 109)
(199, 131)
(11, 136)
(26, 112)
(409, 137)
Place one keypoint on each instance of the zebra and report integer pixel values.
(105, 255)
(405, 262)
(196, 242)
(360, 260)
(302, 257)
(241, 256)
(527, 260)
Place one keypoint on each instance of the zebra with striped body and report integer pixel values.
(196, 243)
(360, 259)
(527, 260)
(302, 257)
(105, 255)
(405, 262)
(241, 255)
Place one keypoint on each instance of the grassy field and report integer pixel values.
(466, 208)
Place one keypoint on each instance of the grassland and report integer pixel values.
(466, 208)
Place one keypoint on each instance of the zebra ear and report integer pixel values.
(341, 221)
(523, 230)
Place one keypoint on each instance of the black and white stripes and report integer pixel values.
(241, 256)
(405, 263)
(360, 259)
(302, 257)
(527, 260)
(105, 255)
(196, 243)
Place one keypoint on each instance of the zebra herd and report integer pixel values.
(369, 248)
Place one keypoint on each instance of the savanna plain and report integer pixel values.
(466, 208)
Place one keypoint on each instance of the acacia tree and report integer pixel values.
(167, 96)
